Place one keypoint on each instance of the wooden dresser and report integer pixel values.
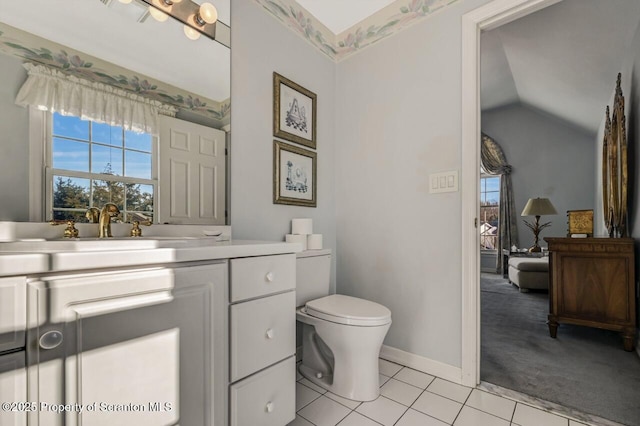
(591, 283)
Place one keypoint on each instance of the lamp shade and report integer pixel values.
(538, 207)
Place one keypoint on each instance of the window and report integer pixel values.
(90, 164)
(489, 211)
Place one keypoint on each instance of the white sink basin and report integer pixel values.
(88, 244)
(103, 244)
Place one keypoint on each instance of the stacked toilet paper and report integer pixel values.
(302, 232)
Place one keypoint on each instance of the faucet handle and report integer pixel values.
(71, 231)
(135, 230)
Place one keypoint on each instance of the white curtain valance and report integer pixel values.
(50, 89)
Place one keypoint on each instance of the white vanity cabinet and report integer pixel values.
(134, 347)
(13, 321)
(262, 340)
(206, 338)
(13, 313)
(13, 388)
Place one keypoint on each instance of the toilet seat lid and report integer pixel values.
(349, 310)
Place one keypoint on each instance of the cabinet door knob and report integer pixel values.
(51, 339)
(269, 407)
(270, 333)
(270, 276)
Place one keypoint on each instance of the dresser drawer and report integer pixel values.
(259, 276)
(13, 313)
(267, 398)
(263, 331)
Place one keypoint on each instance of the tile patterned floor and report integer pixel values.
(412, 398)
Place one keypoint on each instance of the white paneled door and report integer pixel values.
(192, 173)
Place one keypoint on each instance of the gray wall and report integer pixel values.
(397, 121)
(550, 159)
(14, 143)
(631, 92)
(262, 45)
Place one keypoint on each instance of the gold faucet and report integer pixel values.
(109, 211)
(93, 214)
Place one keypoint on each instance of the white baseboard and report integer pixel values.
(420, 363)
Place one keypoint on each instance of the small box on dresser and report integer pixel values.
(592, 283)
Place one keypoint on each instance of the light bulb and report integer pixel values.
(191, 33)
(125, 1)
(157, 14)
(208, 13)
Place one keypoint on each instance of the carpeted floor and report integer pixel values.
(584, 368)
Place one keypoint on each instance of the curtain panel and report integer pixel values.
(51, 90)
(494, 162)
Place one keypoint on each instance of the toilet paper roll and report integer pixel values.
(302, 226)
(314, 242)
(294, 238)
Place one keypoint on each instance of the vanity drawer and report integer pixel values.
(259, 276)
(267, 398)
(13, 312)
(263, 331)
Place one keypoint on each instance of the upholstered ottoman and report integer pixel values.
(529, 273)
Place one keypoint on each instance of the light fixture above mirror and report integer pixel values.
(197, 18)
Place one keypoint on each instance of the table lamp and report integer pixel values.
(537, 207)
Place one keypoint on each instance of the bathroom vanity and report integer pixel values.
(196, 333)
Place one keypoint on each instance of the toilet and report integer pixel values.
(341, 335)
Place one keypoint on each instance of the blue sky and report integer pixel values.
(74, 155)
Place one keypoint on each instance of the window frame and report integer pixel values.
(50, 172)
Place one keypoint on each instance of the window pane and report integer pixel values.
(105, 133)
(139, 216)
(70, 192)
(70, 126)
(70, 155)
(69, 215)
(108, 192)
(106, 160)
(138, 164)
(139, 197)
(492, 198)
(139, 141)
(493, 184)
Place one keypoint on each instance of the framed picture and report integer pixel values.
(294, 112)
(294, 175)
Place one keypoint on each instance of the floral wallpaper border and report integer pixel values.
(397, 16)
(23, 45)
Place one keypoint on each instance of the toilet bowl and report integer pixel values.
(341, 340)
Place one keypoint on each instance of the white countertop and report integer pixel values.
(25, 263)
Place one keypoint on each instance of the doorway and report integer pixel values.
(486, 18)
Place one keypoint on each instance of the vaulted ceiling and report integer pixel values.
(562, 60)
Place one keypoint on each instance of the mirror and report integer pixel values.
(116, 44)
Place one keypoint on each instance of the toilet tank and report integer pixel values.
(313, 270)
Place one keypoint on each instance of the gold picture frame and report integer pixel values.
(615, 174)
(294, 112)
(294, 175)
(580, 222)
